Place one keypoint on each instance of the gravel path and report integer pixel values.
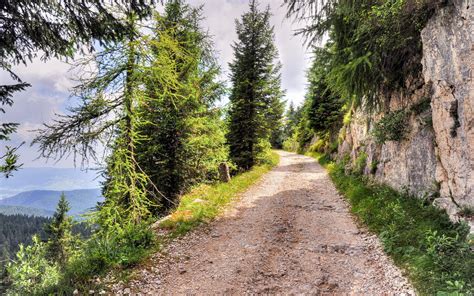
(290, 234)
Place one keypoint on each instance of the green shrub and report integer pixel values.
(360, 163)
(291, 143)
(421, 106)
(318, 146)
(467, 211)
(373, 167)
(264, 152)
(114, 250)
(31, 273)
(392, 127)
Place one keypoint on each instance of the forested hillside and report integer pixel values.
(19, 210)
(81, 201)
(19, 229)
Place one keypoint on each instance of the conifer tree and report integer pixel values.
(185, 137)
(256, 106)
(59, 233)
(29, 29)
(109, 115)
(292, 118)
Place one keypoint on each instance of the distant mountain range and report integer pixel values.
(43, 202)
(18, 210)
(28, 179)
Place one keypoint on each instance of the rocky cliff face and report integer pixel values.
(448, 62)
(435, 159)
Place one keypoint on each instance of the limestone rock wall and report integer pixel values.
(448, 63)
(436, 158)
(409, 164)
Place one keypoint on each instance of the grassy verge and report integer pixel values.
(207, 201)
(434, 252)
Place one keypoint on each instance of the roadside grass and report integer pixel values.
(206, 202)
(433, 251)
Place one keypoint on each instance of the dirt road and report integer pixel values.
(290, 234)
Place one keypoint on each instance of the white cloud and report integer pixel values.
(51, 81)
(220, 20)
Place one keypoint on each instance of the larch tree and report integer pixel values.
(256, 96)
(109, 115)
(46, 29)
(185, 135)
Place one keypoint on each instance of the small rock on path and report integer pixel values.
(292, 233)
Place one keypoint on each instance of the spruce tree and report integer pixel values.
(291, 121)
(256, 106)
(59, 233)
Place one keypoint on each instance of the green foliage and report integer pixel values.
(421, 106)
(31, 273)
(467, 211)
(392, 127)
(39, 266)
(185, 136)
(59, 234)
(256, 108)
(375, 45)
(303, 131)
(433, 251)
(108, 250)
(373, 167)
(34, 273)
(51, 29)
(17, 229)
(360, 163)
(291, 121)
(324, 111)
(318, 146)
(291, 143)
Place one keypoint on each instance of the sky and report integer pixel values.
(52, 80)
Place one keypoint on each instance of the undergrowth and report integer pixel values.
(433, 251)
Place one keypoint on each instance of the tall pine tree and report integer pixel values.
(256, 106)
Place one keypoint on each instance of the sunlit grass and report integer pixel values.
(206, 202)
